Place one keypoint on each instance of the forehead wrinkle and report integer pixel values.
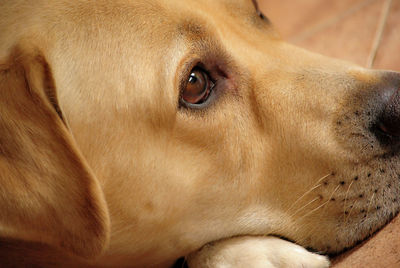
(198, 38)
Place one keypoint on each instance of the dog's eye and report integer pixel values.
(197, 88)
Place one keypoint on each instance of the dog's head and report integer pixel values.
(197, 122)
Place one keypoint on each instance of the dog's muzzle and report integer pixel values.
(386, 127)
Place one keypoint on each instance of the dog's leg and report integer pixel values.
(255, 252)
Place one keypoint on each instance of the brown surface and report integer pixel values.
(383, 250)
(388, 55)
(343, 29)
(347, 29)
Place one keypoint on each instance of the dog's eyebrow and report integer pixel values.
(191, 28)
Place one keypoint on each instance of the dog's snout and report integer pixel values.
(390, 119)
(386, 120)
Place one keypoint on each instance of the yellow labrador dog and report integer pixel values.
(134, 132)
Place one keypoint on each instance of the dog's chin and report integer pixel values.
(384, 204)
(356, 201)
(352, 235)
(370, 200)
(367, 233)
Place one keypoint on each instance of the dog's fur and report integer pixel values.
(100, 165)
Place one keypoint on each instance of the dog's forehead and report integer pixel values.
(158, 20)
(123, 36)
(171, 13)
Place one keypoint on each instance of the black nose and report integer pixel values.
(390, 118)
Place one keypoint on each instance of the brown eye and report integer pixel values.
(198, 87)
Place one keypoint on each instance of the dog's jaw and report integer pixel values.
(275, 133)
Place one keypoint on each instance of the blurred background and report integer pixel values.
(366, 32)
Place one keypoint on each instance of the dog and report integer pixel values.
(133, 133)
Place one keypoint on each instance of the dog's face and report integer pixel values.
(200, 123)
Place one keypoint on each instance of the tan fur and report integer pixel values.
(97, 158)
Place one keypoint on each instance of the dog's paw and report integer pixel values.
(255, 252)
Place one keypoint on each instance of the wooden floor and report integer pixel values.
(366, 32)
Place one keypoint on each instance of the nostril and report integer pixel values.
(390, 119)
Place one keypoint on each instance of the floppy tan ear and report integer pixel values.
(48, 194)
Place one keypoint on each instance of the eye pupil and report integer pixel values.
(192, 78)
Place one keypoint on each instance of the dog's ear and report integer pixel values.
(48, 194)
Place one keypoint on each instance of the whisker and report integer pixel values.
(315, 186)
(348, 216)
(345, 199)
(337, 187)
(330, 197)
(313, 210)
(306, 205)
(301, 197)
(324, 209)
(324, 177)
(369, 204)
(320, 206)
